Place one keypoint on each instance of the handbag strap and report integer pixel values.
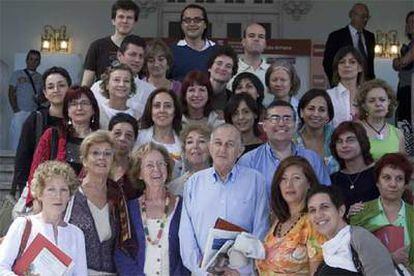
(31, 81)
(356, 260)
(25, 237)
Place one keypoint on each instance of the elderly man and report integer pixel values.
(254, 43)
(279, 126)
(194, 49)
(225, 191)
(130, 53)
(354, 35)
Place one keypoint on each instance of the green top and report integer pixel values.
(372, 217)
(391, 143)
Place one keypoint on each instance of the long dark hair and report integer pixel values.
(278, 204)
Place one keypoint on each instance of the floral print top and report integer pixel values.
(291, 253)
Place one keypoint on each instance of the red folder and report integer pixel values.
(226, 225)
(23, 263)
(391, 236)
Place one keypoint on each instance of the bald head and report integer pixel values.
(359, 15)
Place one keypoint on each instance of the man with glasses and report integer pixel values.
(193, 51)
(279, 126)
(354, 35)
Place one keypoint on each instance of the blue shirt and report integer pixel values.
(266, 161)
(241, 199)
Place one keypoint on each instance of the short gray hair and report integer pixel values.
(230, 126)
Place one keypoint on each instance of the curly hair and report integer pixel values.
(96, 137)
(50, 169)
(363, 91)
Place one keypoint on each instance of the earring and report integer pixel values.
(93, 120)
(69, 122)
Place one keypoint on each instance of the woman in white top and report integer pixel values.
(161, 124)
(92, 208)
(196, 100)
(348, 74)
(52, 185)
(283, 82)
(117, 86)
(155, 217)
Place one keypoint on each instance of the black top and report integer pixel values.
(356, 187)
(101, 54)
(27, 146)
(73, 153)
(326, 270)
(250, 147)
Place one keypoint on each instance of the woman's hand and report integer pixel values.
(228, 271)
(400, 256)
(355, 208)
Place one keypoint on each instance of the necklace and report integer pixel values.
(379, 135)
(163, 220)
(353, 181)
(278, 228)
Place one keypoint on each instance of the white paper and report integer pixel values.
(216, 236)
(46, 264)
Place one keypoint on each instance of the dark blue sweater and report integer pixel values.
(126, 265)
(187, 59)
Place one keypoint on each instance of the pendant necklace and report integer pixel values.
(353, 181)
(379, 135)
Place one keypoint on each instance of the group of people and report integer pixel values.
(128, 175)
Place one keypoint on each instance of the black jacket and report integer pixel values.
(341, 38)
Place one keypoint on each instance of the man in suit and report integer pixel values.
(354, 34)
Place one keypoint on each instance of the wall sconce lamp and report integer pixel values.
(54, 40)
(387, 45)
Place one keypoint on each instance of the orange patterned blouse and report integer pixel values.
(291, 253)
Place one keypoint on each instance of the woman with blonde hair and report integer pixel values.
(92, 208)
(53, 184)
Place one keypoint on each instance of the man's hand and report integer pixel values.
(400, 256)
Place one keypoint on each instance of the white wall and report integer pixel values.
(328, 15)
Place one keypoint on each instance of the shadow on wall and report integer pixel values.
(5, 110)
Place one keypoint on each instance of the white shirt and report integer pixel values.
(260, 72)
(106, 113)
(70, 239)
(355, 37)
(146, 135)
(207, 44)
(341, 101)
(136, 102)
(337, 251)
(157, 258)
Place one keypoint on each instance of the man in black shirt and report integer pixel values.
(103, 51)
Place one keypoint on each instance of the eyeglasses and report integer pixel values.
(275, 119)
(99, 153)
(189, 20)
(152, 165)
(82, 103)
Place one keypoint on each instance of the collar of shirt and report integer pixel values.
(354, 32)
(243, 66)
(231, 176)
(274, 155)
(401, 213)
(207, 43)
(341, 89)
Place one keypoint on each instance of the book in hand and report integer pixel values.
(43, 258)
(391, 236)
(218, 241)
